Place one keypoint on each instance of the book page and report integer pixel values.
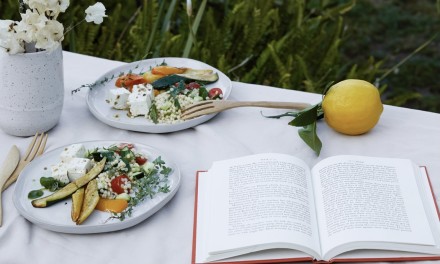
(369, 202)
(260, 202)
(202, 234)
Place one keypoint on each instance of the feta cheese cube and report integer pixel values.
(78, 167)
(118, 97)
(59, 172)
(140, 99)
(72, 151)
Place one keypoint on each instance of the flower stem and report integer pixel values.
(72, 27)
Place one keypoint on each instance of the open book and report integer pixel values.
(273, 207)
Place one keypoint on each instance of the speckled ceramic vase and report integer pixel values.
(31, 91)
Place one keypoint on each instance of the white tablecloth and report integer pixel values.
(166, 237)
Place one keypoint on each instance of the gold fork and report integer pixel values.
(36, 147)
(210, 107)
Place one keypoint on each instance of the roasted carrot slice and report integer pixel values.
(111, 205)
(167, 70)
(150, 77)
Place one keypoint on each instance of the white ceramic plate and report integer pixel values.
(57, 217)
(118, 118)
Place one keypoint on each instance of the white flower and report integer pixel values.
(38, 28)
(8, 41)
(64, 4)
(50, 36)
(95, 13)
(6, 28)
(30, 23)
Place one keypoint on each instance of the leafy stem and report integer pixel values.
(306, 119)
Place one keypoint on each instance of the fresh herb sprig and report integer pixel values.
(155, 181)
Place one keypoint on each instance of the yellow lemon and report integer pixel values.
(352, 107)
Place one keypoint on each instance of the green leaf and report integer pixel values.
(309, 136)
(305, 117)
(158, 161)
(51, 183)
(153, 113)
(35, 194)
(203, 92)
(165, 171)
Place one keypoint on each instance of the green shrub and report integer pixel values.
(301, 44)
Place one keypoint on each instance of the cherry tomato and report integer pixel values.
(141, 160)
(215, 93)
(127, 81)
(118, 183)
(192, 85)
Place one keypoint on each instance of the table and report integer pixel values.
(166, 237)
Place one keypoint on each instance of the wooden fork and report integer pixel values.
(210, 107)
(36, 147)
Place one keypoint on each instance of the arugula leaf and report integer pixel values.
(109, 155)
(35, 194)
(51, 183)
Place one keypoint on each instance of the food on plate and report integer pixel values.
(91, 198)
(163, 92)
(77, 202)
(116, 180)
(190, 75)
(127, 81)
(70, 188)
(111, 205)
(167, 70)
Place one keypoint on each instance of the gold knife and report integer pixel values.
(6, 170)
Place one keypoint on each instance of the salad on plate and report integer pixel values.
(160, 93)
(113, 179)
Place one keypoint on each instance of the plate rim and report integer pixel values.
(96, 228)
(150, 127)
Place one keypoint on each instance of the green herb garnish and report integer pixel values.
(153, 113)
(154, 181)
(35, 194)
(49, 183)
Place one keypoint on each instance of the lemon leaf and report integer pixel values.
(309, 136)
(305, 117)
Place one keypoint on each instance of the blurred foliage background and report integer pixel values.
(300, 44)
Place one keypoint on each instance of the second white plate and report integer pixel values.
(119, 119)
